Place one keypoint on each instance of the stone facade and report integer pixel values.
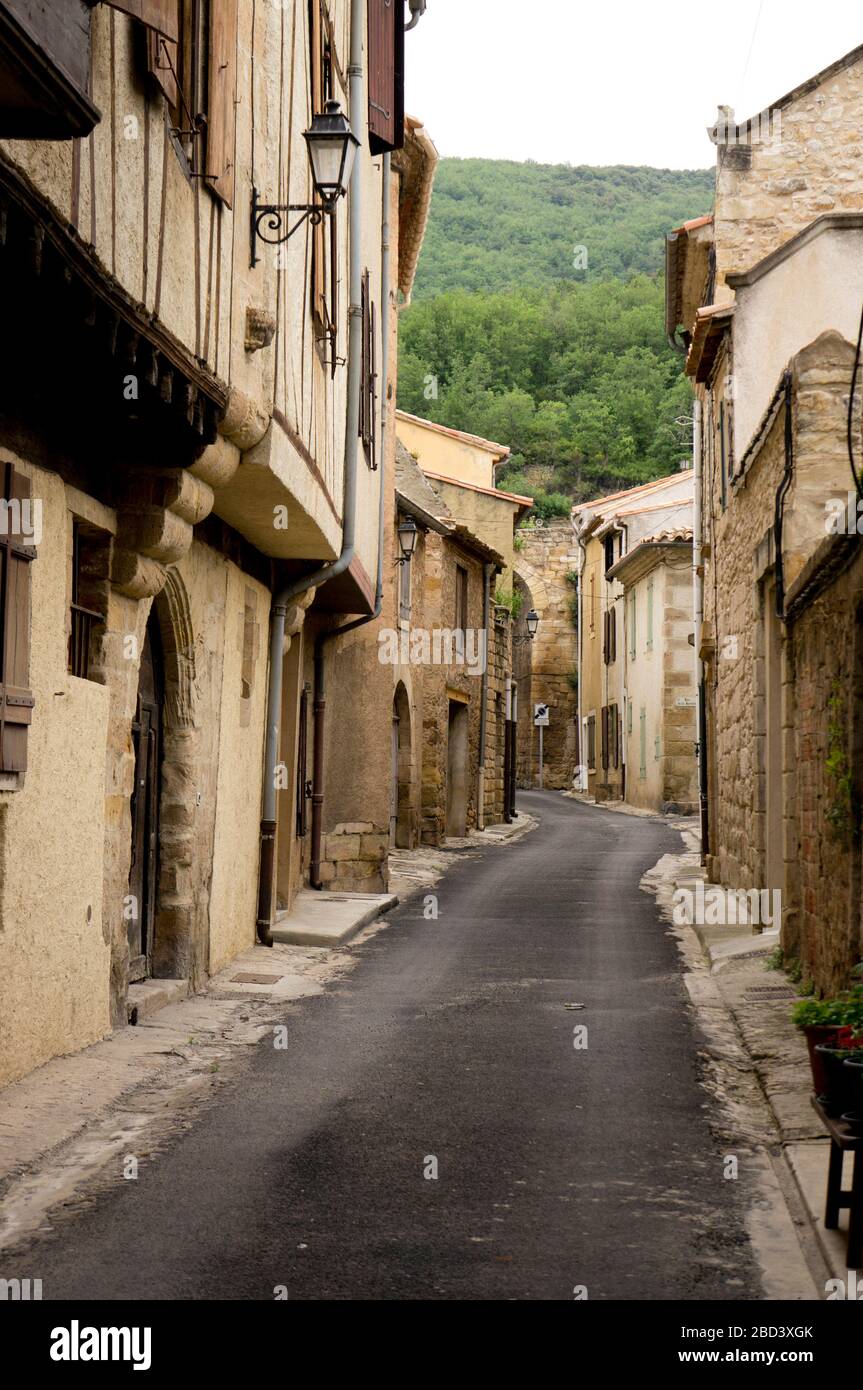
(782, 584)
(193, 455)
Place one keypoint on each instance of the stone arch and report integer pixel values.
(180, 945)
(404, 836)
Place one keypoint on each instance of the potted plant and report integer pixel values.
(825, 1024)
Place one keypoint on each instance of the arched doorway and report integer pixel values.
(147, 732)
(401, 818)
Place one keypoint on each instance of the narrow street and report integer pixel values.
(452, 1039)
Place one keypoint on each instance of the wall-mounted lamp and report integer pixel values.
(418, 9)
(332, 148)
(408, 534)
(532, 624)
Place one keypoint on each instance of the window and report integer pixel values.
(609, 552)
(723, 456)
(609, 637)
(650, 615)
(197, 71)
(386, 75)
(17, 532)
(369, 385)
(614, 732)
(88, 597)
(461, 582)
(632, 628)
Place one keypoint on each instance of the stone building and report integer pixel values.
(614, 625)
(769, 306)
(193, 445)
(447, 651)
(654, 740)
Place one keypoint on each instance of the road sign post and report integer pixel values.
(541, 721)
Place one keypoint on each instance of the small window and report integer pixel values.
(89, 598)
(609, 552)
(650, 615)
(461, 591)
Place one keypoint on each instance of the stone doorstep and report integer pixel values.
(148, 996)
(329, 919)
(808, 1163)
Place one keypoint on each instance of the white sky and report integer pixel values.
(605, 82)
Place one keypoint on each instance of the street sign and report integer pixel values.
(541, 716)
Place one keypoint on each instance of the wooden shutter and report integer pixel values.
(16, 698)
(372, 387)
(161, 15)
(386, 75)
(612, 636)
(222, 110)
(605, 737)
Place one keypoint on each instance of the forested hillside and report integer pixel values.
(508, 338)
(499, 225)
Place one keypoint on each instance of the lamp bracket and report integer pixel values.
(277, 217)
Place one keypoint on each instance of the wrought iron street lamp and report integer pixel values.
(532, 624)
(408, 534)
(332, 148)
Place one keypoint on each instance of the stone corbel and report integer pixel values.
(245, 421)
(155, 527)
(296, 616)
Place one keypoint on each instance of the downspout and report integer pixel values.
(325, 637)
(583, 777)
(284, 599)
(483, 717)
(698, 613)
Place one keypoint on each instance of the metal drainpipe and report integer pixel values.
(483, 716)
(584, 778)
(698, 611)
(283, 600)
(324, 637)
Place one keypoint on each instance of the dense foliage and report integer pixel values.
(500, 225)
(573, 372)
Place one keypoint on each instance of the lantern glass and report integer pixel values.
(408, 537)
(532, 623)
(332, 151)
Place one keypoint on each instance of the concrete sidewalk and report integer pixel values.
(758, 997)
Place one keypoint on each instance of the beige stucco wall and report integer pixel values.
(448, 454)
(233, 898)
(817, 288)
(644, 692)
(54, 935)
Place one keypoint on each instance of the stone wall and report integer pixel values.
(769, 191)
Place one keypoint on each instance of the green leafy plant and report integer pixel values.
(840, 812)
(842, 1011)
(775, 960)
(511, 599)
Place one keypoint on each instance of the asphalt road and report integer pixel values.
(451, 1040)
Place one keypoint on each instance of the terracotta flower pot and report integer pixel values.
(842, 1086)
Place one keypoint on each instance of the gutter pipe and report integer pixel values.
(324, 637)
(284, 599)
(483, 718)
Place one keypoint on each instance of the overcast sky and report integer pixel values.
(599, 82)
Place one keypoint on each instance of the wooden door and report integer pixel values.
(144, 869)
